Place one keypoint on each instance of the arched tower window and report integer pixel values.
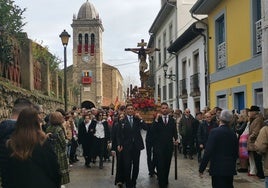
(92, 44)
(79, 47)
(86, 43)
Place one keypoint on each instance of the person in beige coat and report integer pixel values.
(256, 123)
(261, 145)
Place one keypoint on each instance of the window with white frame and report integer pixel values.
(220, 42)
(159, 54)
(258, 97)
(159, 87)
(222, 101)
(196, 62)
(165, 46)
(170, 90)
(164, 92)
(170, 34)
(257, 26)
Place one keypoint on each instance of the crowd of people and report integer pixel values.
(47, 144)
(226, 138)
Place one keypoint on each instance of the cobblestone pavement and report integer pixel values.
(188, 176)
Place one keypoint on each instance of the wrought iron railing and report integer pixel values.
(259, 36)
(221, 55)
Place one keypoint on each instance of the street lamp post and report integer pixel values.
(64, 39)
(172, 77)
(168, 76)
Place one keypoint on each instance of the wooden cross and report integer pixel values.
(142, 55)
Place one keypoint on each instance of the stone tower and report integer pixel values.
(88, 55)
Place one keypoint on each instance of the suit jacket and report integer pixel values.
(164, 134)
(222, 152)
(128, 136)
(84, 136)
(149, 139)
(203, 131)
(187, 127)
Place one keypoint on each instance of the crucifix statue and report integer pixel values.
(142, 55)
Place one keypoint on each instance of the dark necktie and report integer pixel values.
(131, 120)
(165, 120)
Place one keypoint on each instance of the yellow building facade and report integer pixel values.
(234, 52)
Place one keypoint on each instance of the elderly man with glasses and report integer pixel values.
(187, 128)
(203, 131)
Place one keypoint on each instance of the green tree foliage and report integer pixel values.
(11, 24)
(11, 17)
(42, 55)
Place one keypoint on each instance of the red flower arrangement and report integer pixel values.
(143, 104)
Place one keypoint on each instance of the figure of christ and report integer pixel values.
(142, 55)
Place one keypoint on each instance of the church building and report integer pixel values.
(98, 84)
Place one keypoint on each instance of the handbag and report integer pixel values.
(243, 151)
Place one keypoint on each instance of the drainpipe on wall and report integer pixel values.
(207, 88)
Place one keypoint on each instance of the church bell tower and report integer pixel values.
(88, 54)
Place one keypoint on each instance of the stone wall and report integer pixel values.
(9, 93)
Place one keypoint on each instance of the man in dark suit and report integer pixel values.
(203, 131)
(130, 143)
(149, 142)
(86, 136)
(222, 152)
(165, 137)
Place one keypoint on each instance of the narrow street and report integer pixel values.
(188, 176)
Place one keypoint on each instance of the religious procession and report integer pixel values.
(198, 118)
(222, 143)
(112, 141)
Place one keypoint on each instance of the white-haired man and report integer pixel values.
(222, 152)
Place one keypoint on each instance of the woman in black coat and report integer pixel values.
(32, 163)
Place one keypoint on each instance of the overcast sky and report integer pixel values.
(125, 23)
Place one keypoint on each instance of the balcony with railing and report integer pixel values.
(221, 55)
(194, 84)
(258, 36)
(183, 88)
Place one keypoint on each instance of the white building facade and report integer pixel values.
(185, 61)
(190, 49)
(163, 33)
